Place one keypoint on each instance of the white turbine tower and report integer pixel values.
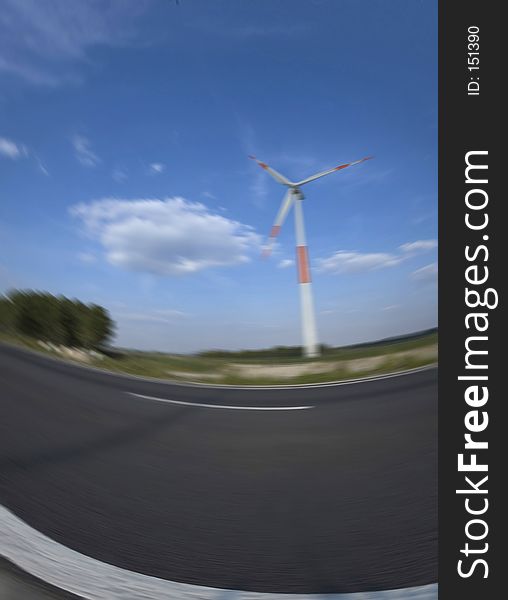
(294, 196)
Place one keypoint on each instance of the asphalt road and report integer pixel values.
(338, 497)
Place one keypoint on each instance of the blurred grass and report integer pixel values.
(24, 341)
(389, 365)
(344, 363)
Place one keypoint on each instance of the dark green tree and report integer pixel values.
(55, 319)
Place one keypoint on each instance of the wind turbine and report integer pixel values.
(294, 196)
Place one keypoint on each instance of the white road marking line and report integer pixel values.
(92, 579)
(201, 405)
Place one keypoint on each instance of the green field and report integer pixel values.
(258, 367)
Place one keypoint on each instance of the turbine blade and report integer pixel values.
(284, 209)
(340, 167)
(277, 176)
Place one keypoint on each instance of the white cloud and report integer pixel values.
(259, 183)
(156, 168)
(391, 307)
(355, 262)
(41, 42)
(119, 175)
(419, 246)
(259, 188)
(171, 312)
(158, 316)
(40, 166)
(285, 263)
(426, 273)
(86, 257)
(10, 149)
(83, 151)
(208, 195)
(296, 162)
(15, 151)
(170, 236)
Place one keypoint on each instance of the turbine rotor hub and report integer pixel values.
(297, 193)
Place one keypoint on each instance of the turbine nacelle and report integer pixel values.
(296, 193)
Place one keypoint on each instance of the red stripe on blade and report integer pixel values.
(275, 231)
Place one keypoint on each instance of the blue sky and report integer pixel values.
(124, 179)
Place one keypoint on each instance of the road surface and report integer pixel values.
(333, 489)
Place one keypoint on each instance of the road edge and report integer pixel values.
(73, 572)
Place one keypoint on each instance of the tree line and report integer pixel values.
(274, 352)
(55, 319)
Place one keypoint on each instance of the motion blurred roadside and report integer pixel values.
(16, 584)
